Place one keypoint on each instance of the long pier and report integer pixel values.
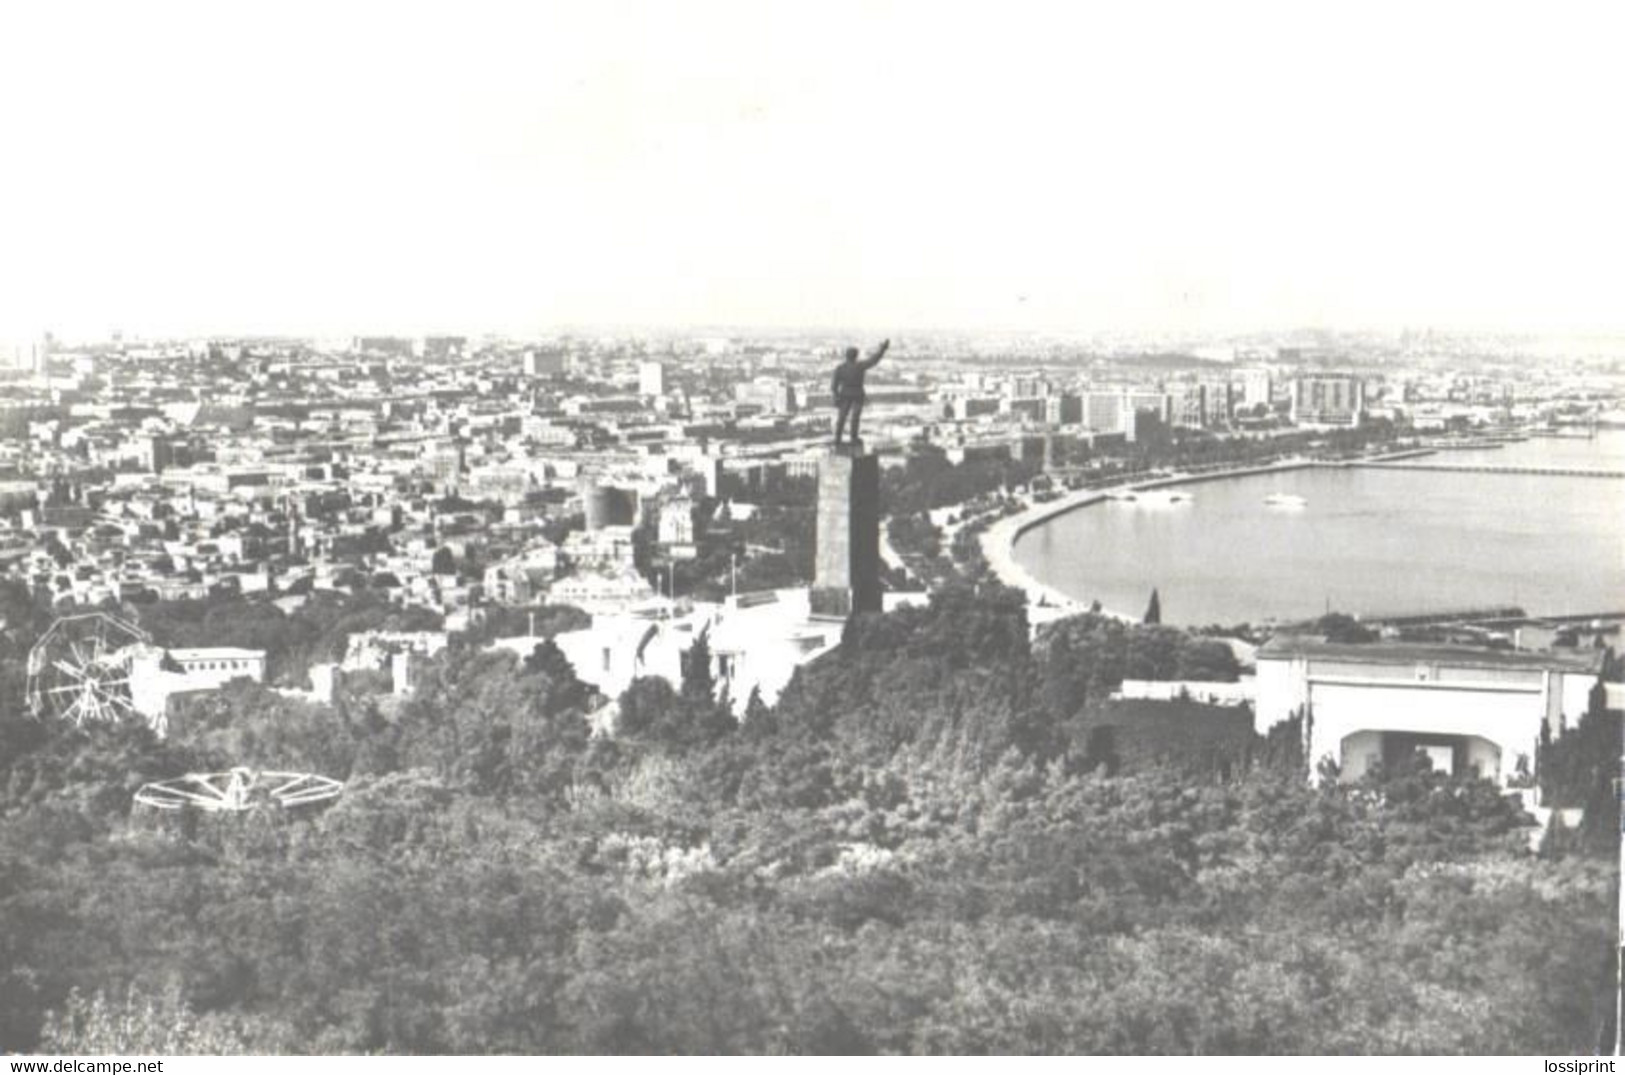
(1581, 618)
(1448, 616)
(1561, 472)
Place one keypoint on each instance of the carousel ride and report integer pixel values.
(238, 790)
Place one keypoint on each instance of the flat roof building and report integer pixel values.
(1466, 708)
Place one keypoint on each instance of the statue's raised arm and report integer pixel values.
(876, 355)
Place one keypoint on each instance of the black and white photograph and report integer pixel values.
(597, 528)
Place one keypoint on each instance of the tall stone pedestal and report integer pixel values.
(846, 576)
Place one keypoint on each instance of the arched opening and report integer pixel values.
(1454, 755)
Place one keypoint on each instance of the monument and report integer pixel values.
(846, 576)
(846, 385)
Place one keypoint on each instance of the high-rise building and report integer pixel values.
(1334, 399)
(1103, 412)
(543, 362)
(1203, 404)
(442, 348)
(1063, 410)
(1120, 410)
(1030, 409)
(769, 392)
(651, 379)
(394, 346)
(31, 355)
(1187, 405)
(1255, 387)
(1218, 403)
(965, 408)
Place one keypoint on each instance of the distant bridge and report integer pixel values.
(1484, 468)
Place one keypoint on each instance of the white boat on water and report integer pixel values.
(1286, 500)
(1153, 497)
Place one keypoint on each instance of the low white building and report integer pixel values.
(217, 665)
(523, 578)
(757, 641)
(1466, 708)
(621, 647)
(603, 594)
(156, 675)
(370, 650)
(1208, 692)
(605, 549)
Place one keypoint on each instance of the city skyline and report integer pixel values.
(699, 693)
(1164, 171)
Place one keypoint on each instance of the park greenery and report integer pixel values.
(1162, 447)
(757, 535)
(753, 538)
(945, 837)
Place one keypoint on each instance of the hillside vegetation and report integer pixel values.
(942, 839)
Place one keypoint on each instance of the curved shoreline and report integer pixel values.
(998, 541)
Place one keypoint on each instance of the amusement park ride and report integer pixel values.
(81, 671)
(237, 790)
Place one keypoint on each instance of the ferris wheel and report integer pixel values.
(79, 670)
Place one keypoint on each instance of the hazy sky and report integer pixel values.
(330, 167)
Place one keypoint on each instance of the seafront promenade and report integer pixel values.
(1469, 468)
(999, 547)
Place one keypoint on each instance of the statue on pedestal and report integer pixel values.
(847, 387)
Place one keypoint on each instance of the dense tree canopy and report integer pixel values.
(915, 850)
(929, 480)
(315, 631)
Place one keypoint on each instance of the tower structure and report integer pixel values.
(846, 576)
